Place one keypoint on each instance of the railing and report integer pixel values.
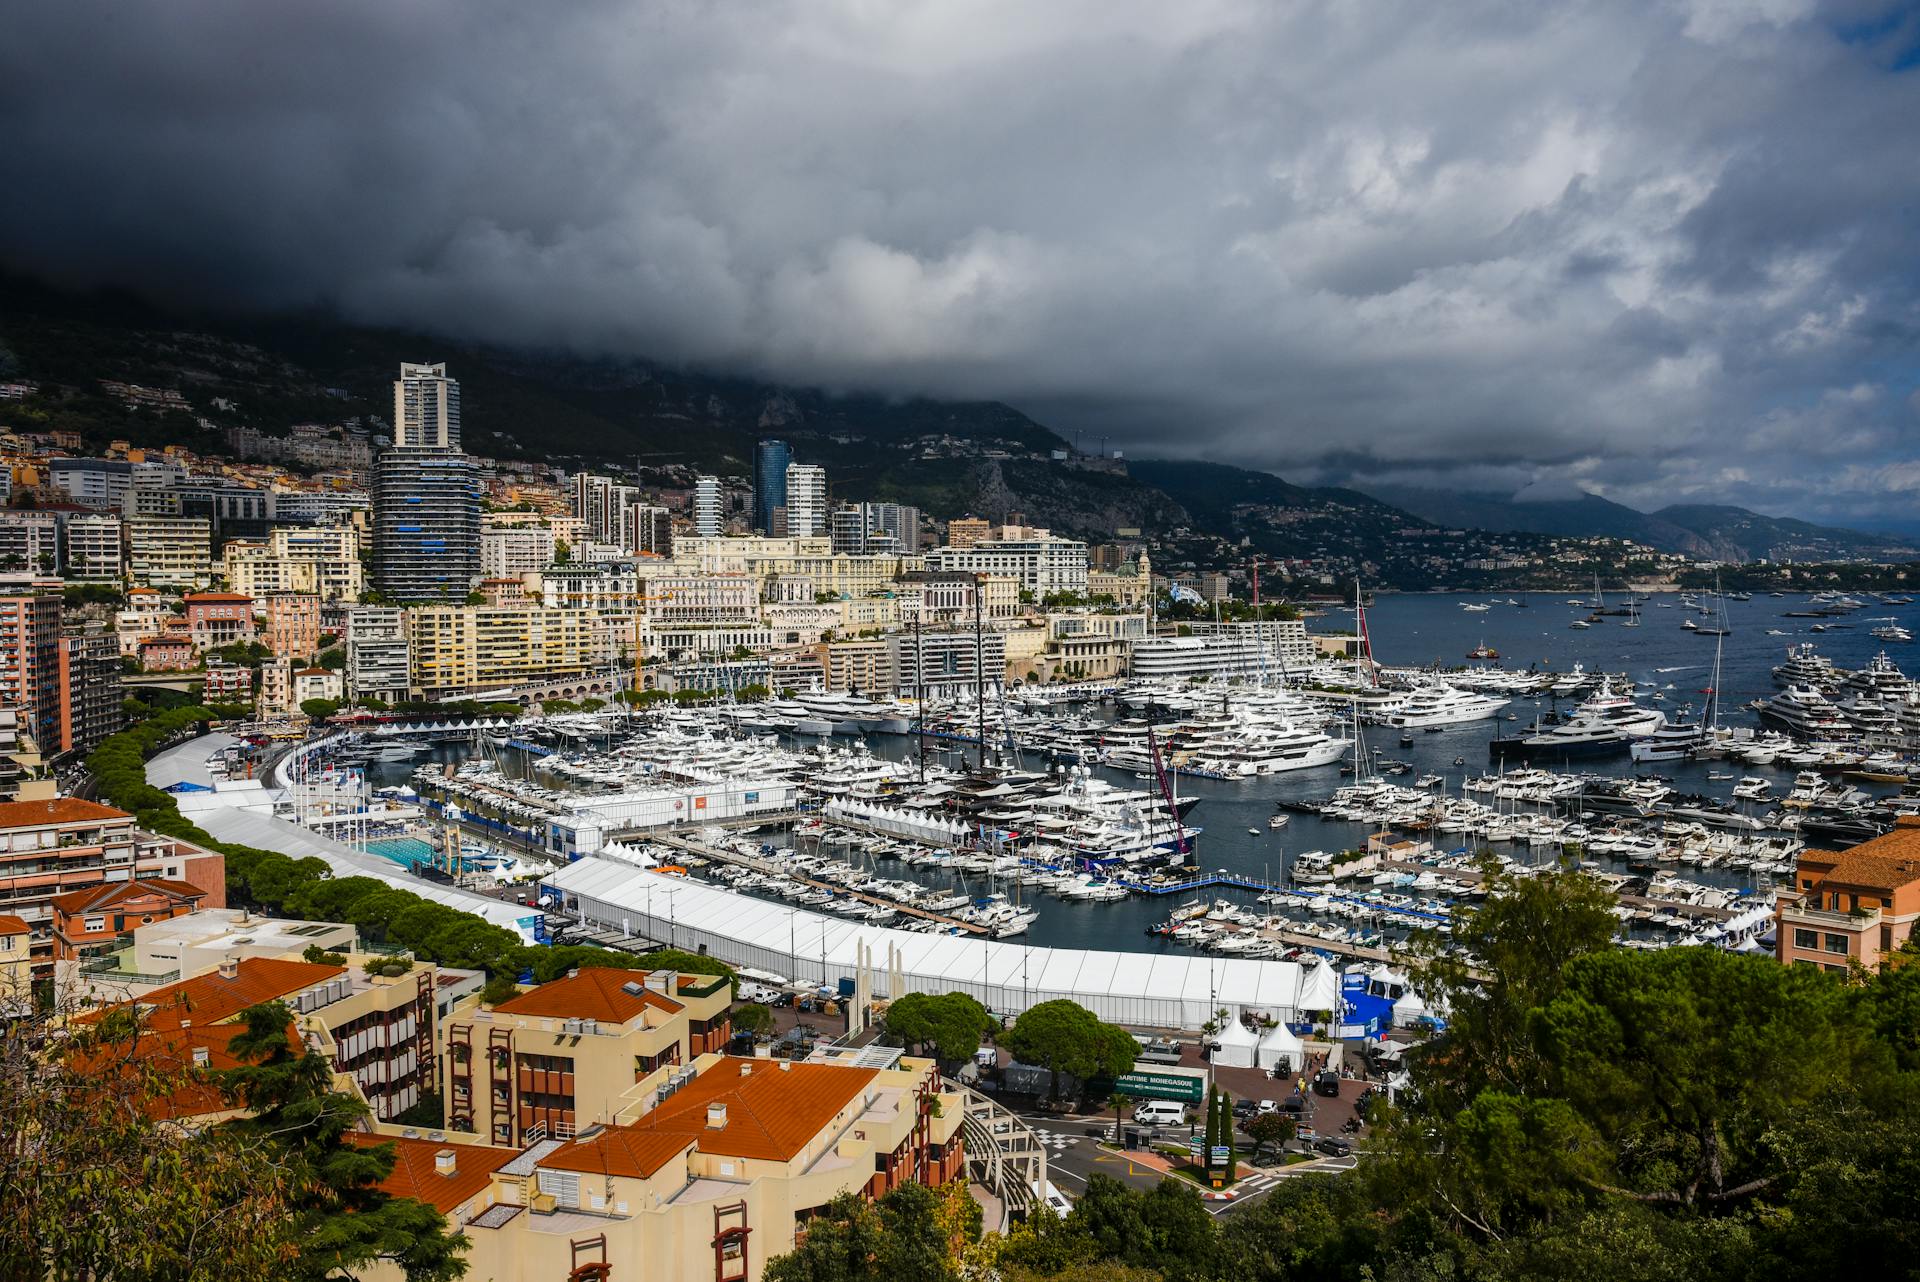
(107, 967)
(1002, 1152)
(1856, 920)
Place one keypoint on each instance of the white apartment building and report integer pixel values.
(806, 501)
(170, 551)
(379, 658)
(678, 598)
(313, 560)
(426, 408)
(945, 663)
(709, 518)
(29, 541)
(507, 552)
(1268, 648)
(1040, 561)
(94, 547)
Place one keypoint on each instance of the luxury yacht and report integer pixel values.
(1440, 704)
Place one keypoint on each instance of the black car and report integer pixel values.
(1326, 1082)
(1244, 1108)
(1334, 1146)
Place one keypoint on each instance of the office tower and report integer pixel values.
(707, 516)
(770, 462)
(806, 501)
(426, 408)
(901, 520)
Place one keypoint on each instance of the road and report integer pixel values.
(1074, 1154)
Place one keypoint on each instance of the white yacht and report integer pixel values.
(1440, 704)
(1805, 667)
(1804, 711)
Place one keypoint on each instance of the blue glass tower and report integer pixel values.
(770, 459)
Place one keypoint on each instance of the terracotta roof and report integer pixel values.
(415, 1175)
(11, 925)
(212, 998)
(774, 1110)
(172, 1051)
(113, 892)
(216, 596)
(1887, 862)
(60, 810)
(597, 992)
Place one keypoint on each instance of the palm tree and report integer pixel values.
(1119, 1102)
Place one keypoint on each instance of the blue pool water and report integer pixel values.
(402, 850)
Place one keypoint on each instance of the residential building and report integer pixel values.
(276, 689)
(215, 619)
(707, 1171)
(806, 501)
(462, 649)
(92, 482)
(1042, 563)
(510, 1080)
(965, 531)
(30, 609)
(426, 524)
(16, 966)
(770, 461)
(29, 541)
(89, 683)
(317, 683)
(865, 666)
(426, 408)
(647, 529)
(227, 682)
(293, 624)
(947, 664)
(94, 548)
(376, 1030)
(901, 520)
(379, 656)
(1851, 906)
(54, 847)
(322, 561)
(101, 919)
(168, 652)
(511, 551)
(709, 511)
(170, 551)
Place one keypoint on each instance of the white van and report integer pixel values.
(1160, 1112)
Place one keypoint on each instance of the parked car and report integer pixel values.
(1334, 1146)
(1243, 1108)
(1268, 1106)
(1326, 1082)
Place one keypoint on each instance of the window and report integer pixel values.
(94, 924)
(1836, 943)
(563, 1185)
(1806, 939)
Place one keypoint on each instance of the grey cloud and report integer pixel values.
(1559, 243)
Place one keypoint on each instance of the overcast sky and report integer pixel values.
(1663, 251)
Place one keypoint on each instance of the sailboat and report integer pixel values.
(1679, 740)
(1633, 614)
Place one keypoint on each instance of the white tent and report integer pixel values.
(1281, 1048)
(1235, 1046)
(1320, 988)
(1145, 990)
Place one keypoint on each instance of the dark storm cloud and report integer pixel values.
(1663, 250)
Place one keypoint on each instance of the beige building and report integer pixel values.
(170, 551)
(457, 649)
(866, 666)
(554, 1060)
(293, 625)
(1129, 588)
(16, 966)
(316, 560)
(708, 1171)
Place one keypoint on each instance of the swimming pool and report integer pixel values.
(402, 850)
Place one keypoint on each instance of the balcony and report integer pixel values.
(1858, 919)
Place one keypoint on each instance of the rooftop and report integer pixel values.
(11, 925)
(594, 993)
(97, 897)
(774, 1110)
(60, 810)
(416, 1172)
(213, 997)
(1887, 862)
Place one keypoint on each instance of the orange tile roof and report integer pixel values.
(415, 1175)
(1886, 862)
(113, 892)
(597, 992)
(11, 925)
(773, 1112)
(59, 810)
(193, 1093)
(211, 998)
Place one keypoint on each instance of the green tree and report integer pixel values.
(1269, 1131)
(1064, 1036)
(898, 1237)
(752, 1017)
(951, 1025)
(1165, 1228)
(342, 1221)
(319, 709)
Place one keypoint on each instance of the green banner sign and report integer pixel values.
(1169, 1086)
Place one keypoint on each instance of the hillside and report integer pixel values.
(951, 458)
(1749, 536)
(1589, 514)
